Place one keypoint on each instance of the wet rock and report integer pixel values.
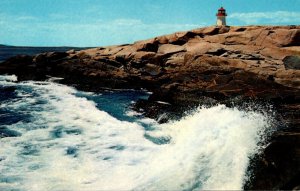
(292, 62)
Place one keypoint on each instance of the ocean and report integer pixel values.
(55, 137)
(10, 51)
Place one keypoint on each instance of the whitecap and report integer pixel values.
(69, 144)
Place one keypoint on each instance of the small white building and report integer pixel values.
(221, 17)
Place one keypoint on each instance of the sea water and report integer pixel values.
(54, 137)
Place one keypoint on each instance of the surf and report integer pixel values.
(67, 142)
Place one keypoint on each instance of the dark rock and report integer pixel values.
(152, 69)
(292, 62)
(295, 39)
(183, 38)
(71, 51)
(241, 29)
(50, 57)
(216, 51)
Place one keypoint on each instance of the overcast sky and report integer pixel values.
(108, 22)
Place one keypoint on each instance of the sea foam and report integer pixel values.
(67, 143)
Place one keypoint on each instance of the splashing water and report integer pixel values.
(66, 143)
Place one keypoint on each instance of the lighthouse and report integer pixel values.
(221, 17)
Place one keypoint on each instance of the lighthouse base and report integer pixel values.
(221, 21)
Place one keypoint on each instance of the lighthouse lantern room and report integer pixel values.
(221, 17)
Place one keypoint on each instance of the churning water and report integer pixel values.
(57, 138)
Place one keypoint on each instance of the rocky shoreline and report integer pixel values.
(230, 65)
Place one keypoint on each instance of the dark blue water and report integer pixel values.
(10, 51)
(116, 103)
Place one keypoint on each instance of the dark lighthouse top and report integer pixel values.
(221, 12)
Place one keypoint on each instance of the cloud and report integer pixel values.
(277, 17)
(118, 31)
(26, 18)
(126, 22)
(89, 33)
(57, 16)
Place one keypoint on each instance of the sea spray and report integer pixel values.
(210, 149)
(67, 143)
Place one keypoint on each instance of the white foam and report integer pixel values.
(209, 149)
(132, 113)
(164, 103)
(8, 78)
(54, 79)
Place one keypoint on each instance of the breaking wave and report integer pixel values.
(63, 141)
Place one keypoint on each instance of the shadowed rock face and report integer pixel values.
(203, 66)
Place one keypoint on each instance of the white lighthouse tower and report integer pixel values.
(221, 17)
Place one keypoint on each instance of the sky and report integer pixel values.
(90, 23)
